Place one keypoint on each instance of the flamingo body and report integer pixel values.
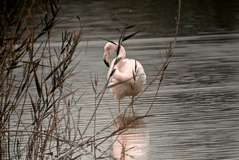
(124, 73)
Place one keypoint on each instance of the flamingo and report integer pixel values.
(128, 77)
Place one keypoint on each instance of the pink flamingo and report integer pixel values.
(128, 78)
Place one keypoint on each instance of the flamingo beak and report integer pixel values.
(106, 63)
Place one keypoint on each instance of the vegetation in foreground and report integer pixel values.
(42, 90)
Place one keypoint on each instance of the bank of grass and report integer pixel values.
(33, 81)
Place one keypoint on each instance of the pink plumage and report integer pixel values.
(129, 77)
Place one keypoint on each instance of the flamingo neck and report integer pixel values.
(110, 48)
(122, 53)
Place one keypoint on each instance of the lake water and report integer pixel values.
(196, 112)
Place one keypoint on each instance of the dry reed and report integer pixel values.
(41, 90)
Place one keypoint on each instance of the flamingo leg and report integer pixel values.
(119, 105)
(119, 108)
(132, 106)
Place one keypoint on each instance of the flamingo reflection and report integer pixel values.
(131, 144)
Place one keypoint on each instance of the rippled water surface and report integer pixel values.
(196, 112)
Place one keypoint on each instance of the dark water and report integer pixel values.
(204, 17)
(196, 111)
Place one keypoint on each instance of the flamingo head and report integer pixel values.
(110, 48)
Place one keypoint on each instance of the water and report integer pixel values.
(196, 111)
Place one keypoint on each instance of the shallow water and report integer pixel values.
(196, 114)
(196, 109)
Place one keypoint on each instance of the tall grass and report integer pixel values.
(32, 73)
(34, 89)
